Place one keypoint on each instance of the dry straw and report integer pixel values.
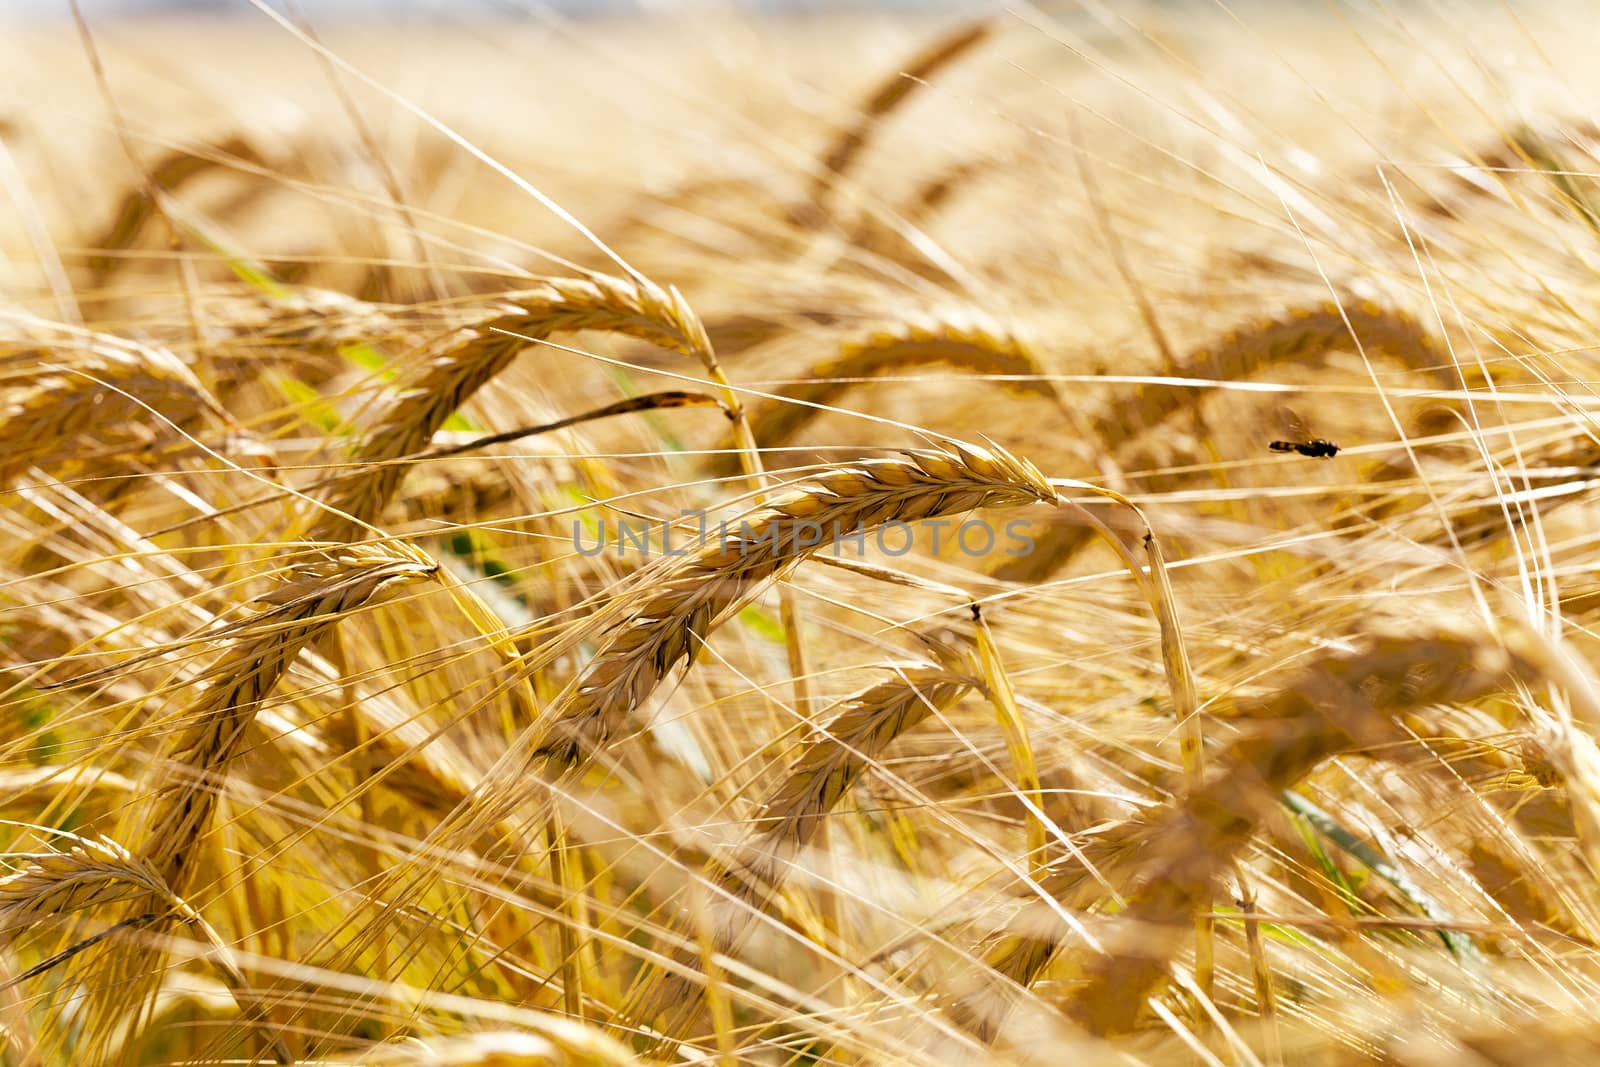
(456, 367)
(1489, 171)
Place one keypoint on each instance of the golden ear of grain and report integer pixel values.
(177, 815)
(456, 367)
(317, 596)
(1343, 701)
(91, 874)
(830, 763)
(680, 611)
(97, 876)
(58, 402)
(965, 339)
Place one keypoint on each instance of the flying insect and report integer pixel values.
(1301, 440)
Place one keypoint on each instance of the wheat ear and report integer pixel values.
(1346, 700)
(462, 363)
(888, 96)
(92, 388)
(260, 650)
(304, 326)
(94, 875)
(964, 339)
(678, 612)
(1302, 333)
(90, 874)
(827, 767)
(551, 1041)
(138, 206)
(1299, 334)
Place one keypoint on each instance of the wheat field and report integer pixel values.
(1030, 536)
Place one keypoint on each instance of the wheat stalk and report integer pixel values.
(303, 325)
(828, 765)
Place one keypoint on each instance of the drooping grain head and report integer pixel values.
(688, 602)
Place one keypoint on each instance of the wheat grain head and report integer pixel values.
(678, 613)
(456, 367)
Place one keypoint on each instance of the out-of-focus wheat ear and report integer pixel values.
(828, 766)
(1343, 701)
(1062, 536)
(89, 396)
(166, 174)
(678, 613)
(302, 330)
(1300, 334)
(1490, 168)
(830, 762)
(965, 339)
(452, 369)
(886, 97)
(99, 878)
(1570, 741)
(260, 649)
